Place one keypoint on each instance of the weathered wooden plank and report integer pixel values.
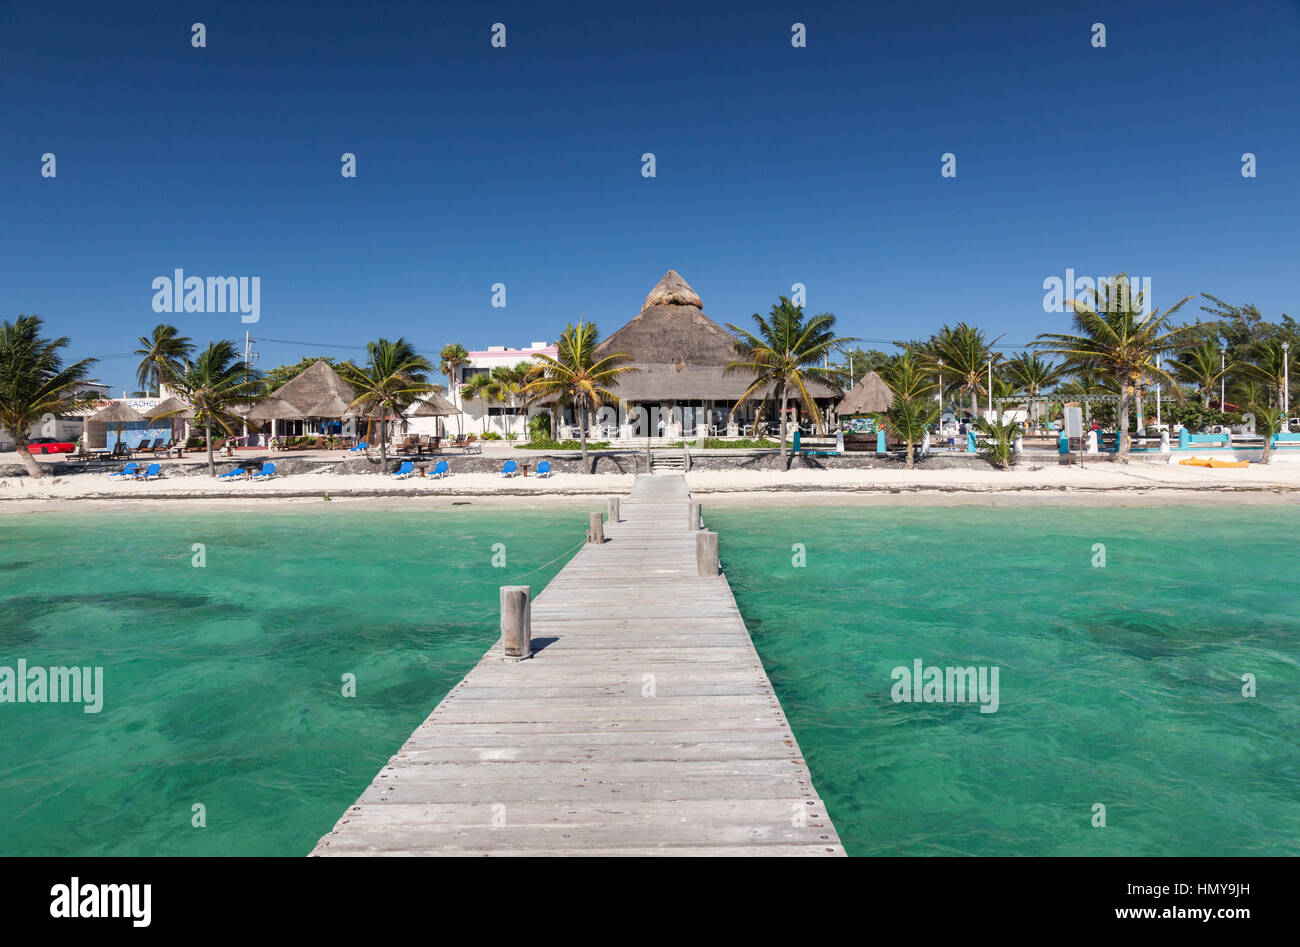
(643, 724)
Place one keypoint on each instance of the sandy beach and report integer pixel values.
(1098, 483)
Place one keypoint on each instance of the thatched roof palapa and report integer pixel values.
(274, 409)
(173, 408)
(316, 392)
(680, 353)
(868, 396)
(117, 413)
(433, 405)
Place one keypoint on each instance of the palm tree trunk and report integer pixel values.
(582, 433)
(383, 440)
(25, 455)
(212, 463)
(1123, 418)
(910, 464)
(781, 422)
(1268, 449)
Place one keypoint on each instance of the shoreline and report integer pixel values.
(768, 496)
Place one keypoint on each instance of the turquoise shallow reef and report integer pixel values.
(1118, 685)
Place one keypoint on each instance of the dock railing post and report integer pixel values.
(614, 516)
(706, 553)
(693, 517)
(516, 622)
(596, 529)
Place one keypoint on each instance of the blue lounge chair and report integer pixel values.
(359, 449)
(404, 471)
(544, 468)
(152, 472)
(440, 469)
(510, 469)
(126, 473)
(266, 473)
(235, 474)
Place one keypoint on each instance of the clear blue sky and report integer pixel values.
(522, 165)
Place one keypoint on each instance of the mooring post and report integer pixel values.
(613, 511)
(693, 517)
(596, 529)
(706, 553)
(516, 622)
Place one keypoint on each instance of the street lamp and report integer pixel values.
(1223, 377)
(1159, 366)
(1286, 385)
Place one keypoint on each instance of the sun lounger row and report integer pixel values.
(132, 472)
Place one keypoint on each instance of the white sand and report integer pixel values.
(1138, 481)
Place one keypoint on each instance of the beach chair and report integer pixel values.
(405, 470)
(544, 468)
(126, 473)
(266, 473)
(359, 449)
(510, 469)
(473, 445)
(152, 472)
(440, 469)
(235, 474)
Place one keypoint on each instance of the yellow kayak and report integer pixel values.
(1213, 462)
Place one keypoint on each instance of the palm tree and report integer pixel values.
(512, 384)
(394, 377)
(574, 376)
(161, 353)
(1031, 374)
(484, 386)
(1112, 336)
(1268, 421)
(1268, 365)
(783, 355)
(912, 413)
(452, 357)
(215, 384)
(1201, 366)
(962, 351)
(35, 382)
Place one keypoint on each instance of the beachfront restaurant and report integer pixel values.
(680, 388)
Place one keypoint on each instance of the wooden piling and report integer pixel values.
(596, 529)
(693, 517)
(516, 622)
(706, 553)
(614, 516)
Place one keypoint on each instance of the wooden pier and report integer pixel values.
(644, 723)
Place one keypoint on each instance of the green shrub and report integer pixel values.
(713, 443)
(571, 444)
(539, 426)
(491, 436)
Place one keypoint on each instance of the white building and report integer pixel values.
(479, 417)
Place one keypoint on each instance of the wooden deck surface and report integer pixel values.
(643, 725)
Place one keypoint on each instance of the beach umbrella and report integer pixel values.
(433, 405)
(119, 413)
(869, 396)
(171, 409)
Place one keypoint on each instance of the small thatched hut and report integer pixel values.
(869, 396)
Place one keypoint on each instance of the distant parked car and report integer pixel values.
(50, 445)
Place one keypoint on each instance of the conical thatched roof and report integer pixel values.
(679, 351)
(173, 407)
(275, 408)
(117, 413)
(433, 405)
(317, 392)
(868, 396)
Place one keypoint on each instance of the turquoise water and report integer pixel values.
(224, 683)
(1119, 685)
